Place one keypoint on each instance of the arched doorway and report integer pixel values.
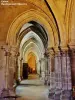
(32, 62)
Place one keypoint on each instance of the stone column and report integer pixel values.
(13, 67)
(21, 68)
(17, 71)
(8, 89)
(51, 65)
(58, 75)
(43, 65)
(46, 69)
(2, 68)
(52, 71)
(40, 67)
(72, 60)
(69, 75)
(66, 76)
(7, 57)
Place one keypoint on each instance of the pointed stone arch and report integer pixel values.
(32, 15)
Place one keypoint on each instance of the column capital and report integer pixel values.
(72, 44)
(71, 50)
(7, 53)
(50, 52)
(6, 50)
(42, 59)
(21, 59)
(13, 50)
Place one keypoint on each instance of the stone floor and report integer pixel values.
(32, 89)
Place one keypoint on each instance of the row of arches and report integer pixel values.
(32, 44)
(33, 39)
